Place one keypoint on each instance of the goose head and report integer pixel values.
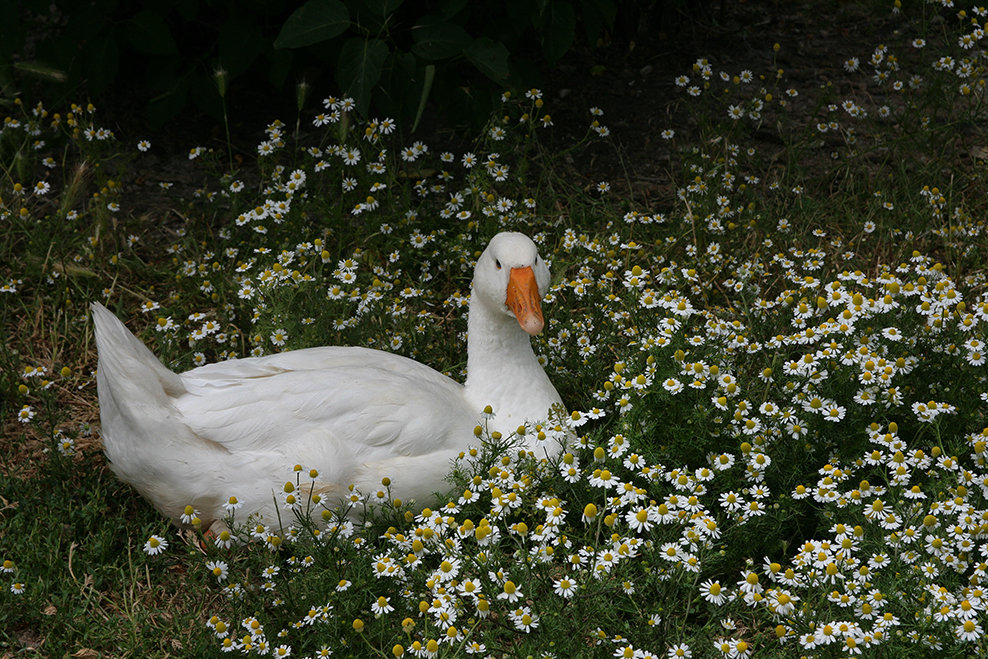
(511, 278)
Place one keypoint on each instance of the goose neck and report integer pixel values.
(496, 344)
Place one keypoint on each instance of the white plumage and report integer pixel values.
(236, 428)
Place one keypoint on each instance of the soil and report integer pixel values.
(633, 80)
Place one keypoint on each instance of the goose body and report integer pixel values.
(356, 415)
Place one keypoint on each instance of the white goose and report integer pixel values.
(236, 428)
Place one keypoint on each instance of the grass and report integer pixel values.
(777, 376)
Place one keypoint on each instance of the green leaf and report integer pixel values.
(397, 92)
(490, 57)
(596, 15)
(280, 66)
(101, 64)
(359, 68)
(147, 33)
(240, 42)
(560, 31)
(168, 105)
(437, 39)
(315, 21)
(382, 8)
(11, 30)
(41, 70)
(606, 8)
(430, 75)
(450, 8)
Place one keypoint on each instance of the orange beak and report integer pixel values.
(524, 300)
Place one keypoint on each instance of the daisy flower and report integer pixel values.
(231, 504)
(679, 651)
(219, 569)
(155, 545)
(712, 592)
(511, 592)
(382, 606)
(26, 414)
(565, 587)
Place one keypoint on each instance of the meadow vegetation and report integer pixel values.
(776, 378)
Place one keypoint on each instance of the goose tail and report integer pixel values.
(139, 424)
(123, 359)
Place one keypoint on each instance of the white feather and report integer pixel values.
(237, 428)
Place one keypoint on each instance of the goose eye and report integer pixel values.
(497, 264)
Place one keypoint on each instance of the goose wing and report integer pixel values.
(333, 400)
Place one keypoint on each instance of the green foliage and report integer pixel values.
(313, 22)
(385, 54)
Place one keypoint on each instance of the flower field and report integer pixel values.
(776, 441)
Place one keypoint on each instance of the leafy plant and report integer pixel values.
(388, 55)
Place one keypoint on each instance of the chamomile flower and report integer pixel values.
(713, 592)
(25, 414)
(510, 592)
(231, 505)
(155, 545)
(679, 651)
(969, 631)
(279, 337)
(524, 619)
(565, 587)
(189, 514)
(382, 606)
(224, 539)
(219, 569)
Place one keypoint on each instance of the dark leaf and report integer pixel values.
(490, 57)
(597, 15)
(168, 105)
(11, 30)
(102, 63)
(560, 31)
(240, 43)
(430, 75)
(451, 7)
(315, 21)
(42, 71)
(382, 8)
(359, 69)
(436, 39)
(147, 33)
